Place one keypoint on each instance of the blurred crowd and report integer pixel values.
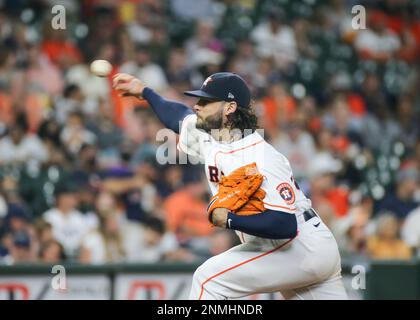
(79, 179)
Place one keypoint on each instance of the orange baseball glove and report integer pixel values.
(240, 192)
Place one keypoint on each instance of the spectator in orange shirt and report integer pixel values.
(323, 169)
(278, 107)
(386, 243)
(59, 49)
(185, 210)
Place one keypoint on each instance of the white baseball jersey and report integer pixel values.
(282, 191)
(305, 267)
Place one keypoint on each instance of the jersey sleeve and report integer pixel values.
(191, 139)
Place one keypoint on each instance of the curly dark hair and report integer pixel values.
(243, 118)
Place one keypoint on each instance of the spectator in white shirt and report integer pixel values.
(143, 67)
(69, 225)
(74, 134)
(276, 40)
(297, 145)
(139, 29)
(156, 244)
(377, 42)
(105, 243)
(118, 239)
(410, 230)
(20, 147)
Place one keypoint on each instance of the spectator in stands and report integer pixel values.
(117, 239)
(139, 29)
(36, 186)
(143, 67)
(380, 130)
(21, 248)
(12, 85)
(377, 42)
(177, 65)
(339, 17)
(93, 88)
(59, 49)
(74, 134)
(20, 148)
(106, 244)
(109, 136)
(84, 171)
(301, 29)
(352, 230)
(18, 218)
(159, 45)
(69, 225)
(42, 76)
(185, 210)
(323, 188)
(44, 231)
(49, 132)
(136, 189)
(103, 26)
(410, 231)
(157, 244)
(401, 201)
(274, 38)
(72, 101)
(244, 62)
(52, 252)
(372, 92)
(192, 9)
(171, 180)
(18, 234)
(297, 145)
(356, 236)
(263, 77)
(408, 120)
(408, 28)
(148, 147)
(340, 122)
(386, 243)
(279, 107)
(203, 40)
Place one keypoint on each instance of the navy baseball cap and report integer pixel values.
(18, 211)
(224, 86)
(22, 239)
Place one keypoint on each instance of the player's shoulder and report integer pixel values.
(272, 157)
(189, 121)
(191, 118)
(269, 148)
(189, 125)
(255, 142)
(249, 139)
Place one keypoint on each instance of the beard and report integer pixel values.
(211, 122)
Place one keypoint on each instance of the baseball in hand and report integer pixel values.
(101, 68)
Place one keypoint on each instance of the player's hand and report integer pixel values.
(128, 85)
(219, 217)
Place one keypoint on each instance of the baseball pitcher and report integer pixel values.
(285, 245)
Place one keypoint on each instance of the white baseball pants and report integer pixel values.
(306, 267)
